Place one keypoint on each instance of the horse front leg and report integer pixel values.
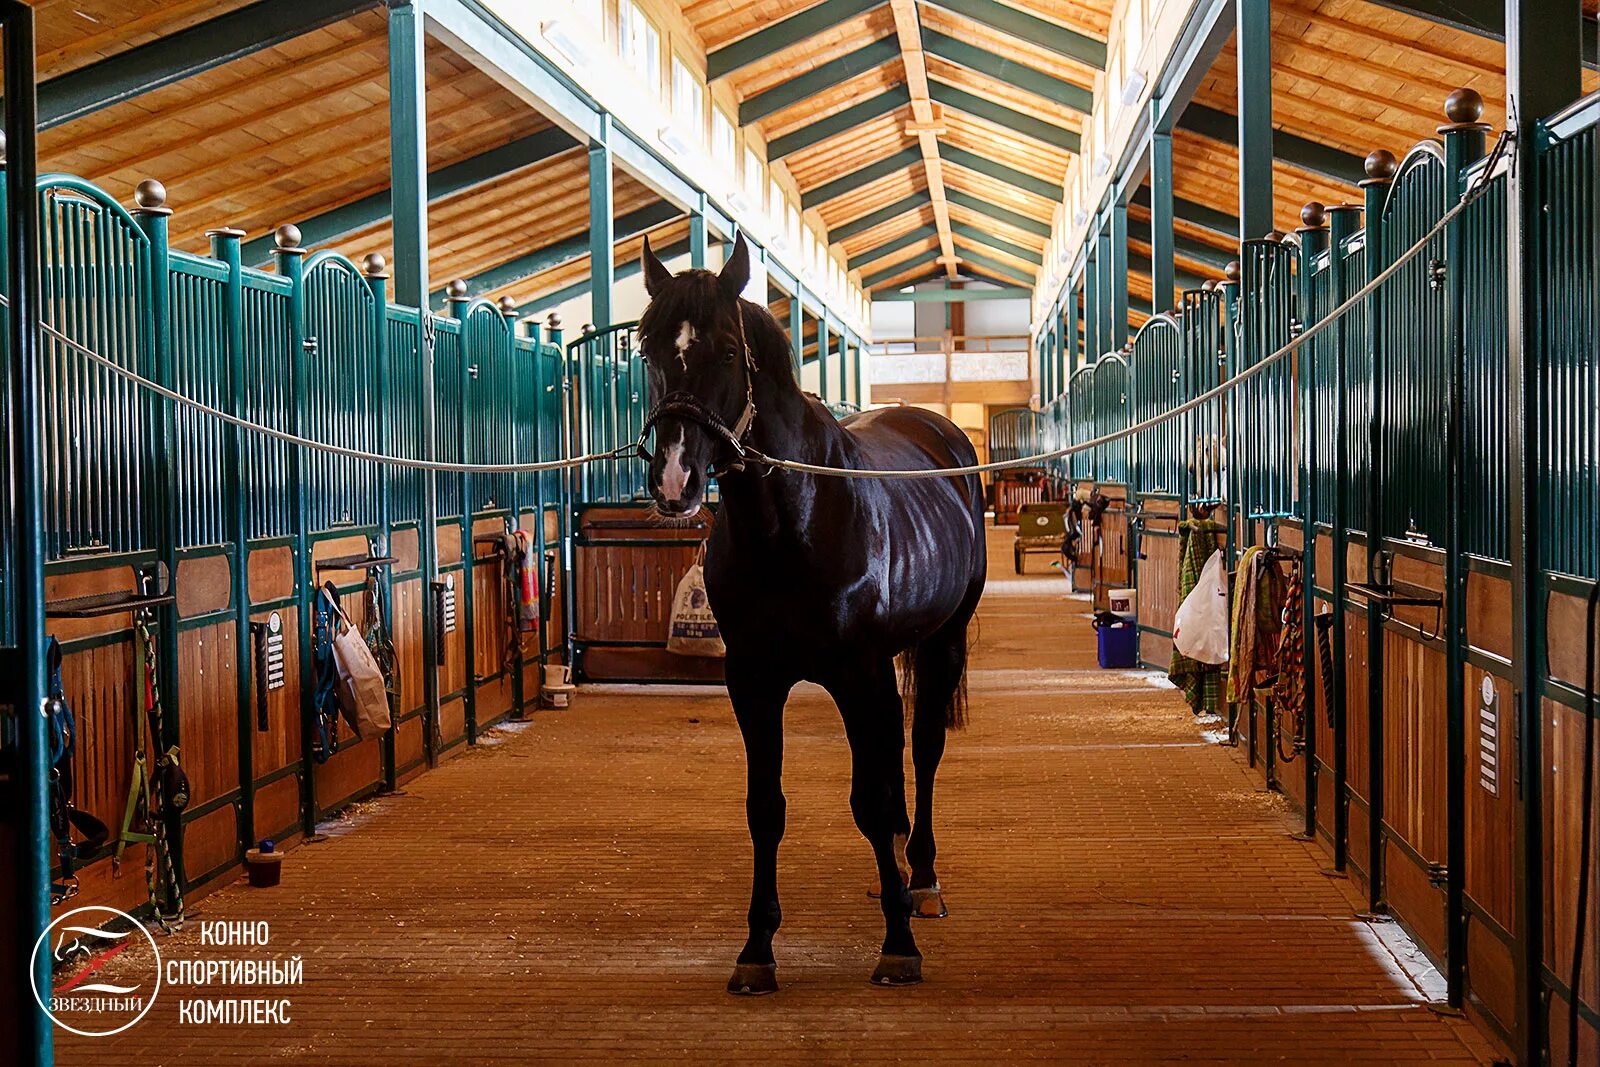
(758, 706)
(869, 703)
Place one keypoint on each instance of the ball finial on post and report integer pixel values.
(151, 196)
(508, 306)
(1272, 235)
(457, 289)
(1464, 107)
(1232, 270)
(287, 237)
(375, 266)
(1381, 166)
(1313, 216)
(1209, 285)
(554, 321)
(2, 146)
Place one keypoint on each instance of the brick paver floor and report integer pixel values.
(1119, 891)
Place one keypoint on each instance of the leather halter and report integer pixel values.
(685, 405)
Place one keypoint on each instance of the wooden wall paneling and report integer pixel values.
(1562, 771)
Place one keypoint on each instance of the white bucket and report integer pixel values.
(558, 687)
(1124, 602)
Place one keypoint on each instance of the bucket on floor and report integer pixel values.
(1118, 640)
(1124, 602)
(264, 865)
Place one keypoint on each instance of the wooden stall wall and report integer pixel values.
(218, 542)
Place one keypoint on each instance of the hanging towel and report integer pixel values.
(1201, 682)
(1258, 601)
(527, 583)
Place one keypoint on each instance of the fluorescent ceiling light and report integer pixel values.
(669, 136)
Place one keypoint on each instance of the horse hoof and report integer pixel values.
(753, 979)
(897, 970)
(927, 904)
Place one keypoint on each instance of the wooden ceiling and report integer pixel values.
(295, 131)
(1004, 137)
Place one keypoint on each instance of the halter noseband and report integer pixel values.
(685, 405)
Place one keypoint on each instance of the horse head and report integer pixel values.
(699, 368)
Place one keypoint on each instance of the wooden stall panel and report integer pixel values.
(1490, 828)
(208, 684)
(278, 745)
(1563, 739)
(628, 563)
(1356, 736)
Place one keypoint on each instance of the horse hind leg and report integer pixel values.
(938, 704)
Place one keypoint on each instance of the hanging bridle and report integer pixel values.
(685, 405)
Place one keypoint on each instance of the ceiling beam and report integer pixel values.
(570, 250)
(773, 39)
(1287, 148)
(884, 103)
(1207, 218)
(847, 230)
(445, 182)
(1001, 214)
(895, 244)
(1008, 269)
(1000, 115)
(1486, 18)
(894, 271)
(1187, 247)
(982, 236)
(1031, 28)
(926, 122)
(856, 179)
(818, 79)
(1051, 191)
(184, 54)
(624, 270)
(1013, 73)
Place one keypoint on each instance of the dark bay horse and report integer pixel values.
(819, 579)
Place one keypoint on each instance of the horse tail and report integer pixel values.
(933, 675)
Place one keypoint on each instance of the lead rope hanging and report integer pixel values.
(166, 791)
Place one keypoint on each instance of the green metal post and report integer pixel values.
(1105, 301)
(457, 306)
(1381, 170)
(822, 357)
(1230, 363)
(1341, 226)
(289, 261)
(797, 329)
(1161, 212)
(1314, 240)
(1118, 238)
(859, 357)
(1463, 145)
(1253, 45)
(375, 270)
(1091, 302)
(698, 243)
(31, 1037)
(1542, 75)
(408, 182)
(602, 227)
(1074, 348)
(152, 215)
(225, 248)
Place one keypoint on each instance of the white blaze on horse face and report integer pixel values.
(674, 472)
(686, 337)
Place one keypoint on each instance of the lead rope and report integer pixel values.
(158, 806)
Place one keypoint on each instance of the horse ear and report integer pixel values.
(655, 273)
(736, 271)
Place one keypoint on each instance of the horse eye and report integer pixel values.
(729, 356)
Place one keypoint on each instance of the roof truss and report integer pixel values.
(818, 79)
(791, 31)
(1020, 75)
(1028, 27)
(876, 107)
